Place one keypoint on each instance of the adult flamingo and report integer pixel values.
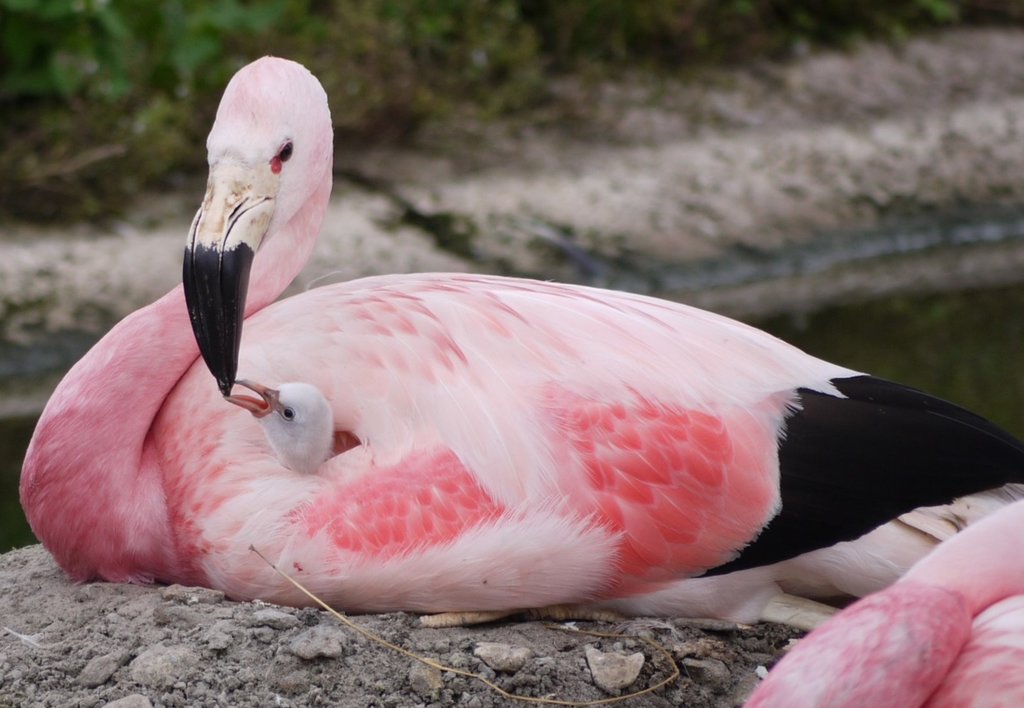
(505, 443)
(950, 633)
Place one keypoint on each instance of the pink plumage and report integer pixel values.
(514, 443)
(641, 489)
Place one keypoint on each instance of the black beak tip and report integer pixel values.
(215, 288)
(225, 385)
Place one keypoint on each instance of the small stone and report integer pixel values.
(220, 636)
(192, 595)
(613, 671)
(701, 648)
(293, 682)
(177, 616)
(309, 616)
(275, 619)
(503, 657)
(286, 675)
(459, 660)
(323, 640)
(161, 666)
(430, 644)
(101, 668)
(425, 681)
(707, 671)
(134, 700)
(263, 634)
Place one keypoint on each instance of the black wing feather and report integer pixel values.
(849, 465)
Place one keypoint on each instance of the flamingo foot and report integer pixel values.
(553, 613)
(444, 620)
(574, 613)
(796, 612)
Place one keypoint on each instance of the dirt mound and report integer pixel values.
(104, 644)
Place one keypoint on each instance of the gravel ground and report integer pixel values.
(104, 644)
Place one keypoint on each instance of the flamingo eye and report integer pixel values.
(281, 157)
(288, 413)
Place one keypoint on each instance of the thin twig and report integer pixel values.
(468, 674)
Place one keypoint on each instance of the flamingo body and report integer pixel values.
(511, 443)
(653, 487)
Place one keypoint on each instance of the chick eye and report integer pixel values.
(286, 152)
(288, 413)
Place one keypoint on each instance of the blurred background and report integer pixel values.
(846, 175)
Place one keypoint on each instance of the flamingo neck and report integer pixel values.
(91, 492)
(92, 486)
(979, 563)
(286, 251)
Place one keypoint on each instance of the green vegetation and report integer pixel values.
(104, 97)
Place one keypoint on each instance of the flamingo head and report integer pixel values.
(296, 419)
(269, 151)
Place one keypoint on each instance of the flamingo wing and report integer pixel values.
(852, 462)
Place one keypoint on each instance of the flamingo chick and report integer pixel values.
(296, 419)
(510, 443)
(950, 633)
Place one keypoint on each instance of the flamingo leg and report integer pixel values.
(797, 612)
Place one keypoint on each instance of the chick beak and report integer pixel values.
(259, 407)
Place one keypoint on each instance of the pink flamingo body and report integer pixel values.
(443, 473)
(516, 443)
(950, 633)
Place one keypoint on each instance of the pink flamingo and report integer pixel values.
(950, 633)
(500, 443)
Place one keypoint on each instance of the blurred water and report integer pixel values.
(14, 437)
(963, 346)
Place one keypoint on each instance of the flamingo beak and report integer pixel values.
(259, 407)
(226, 232)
